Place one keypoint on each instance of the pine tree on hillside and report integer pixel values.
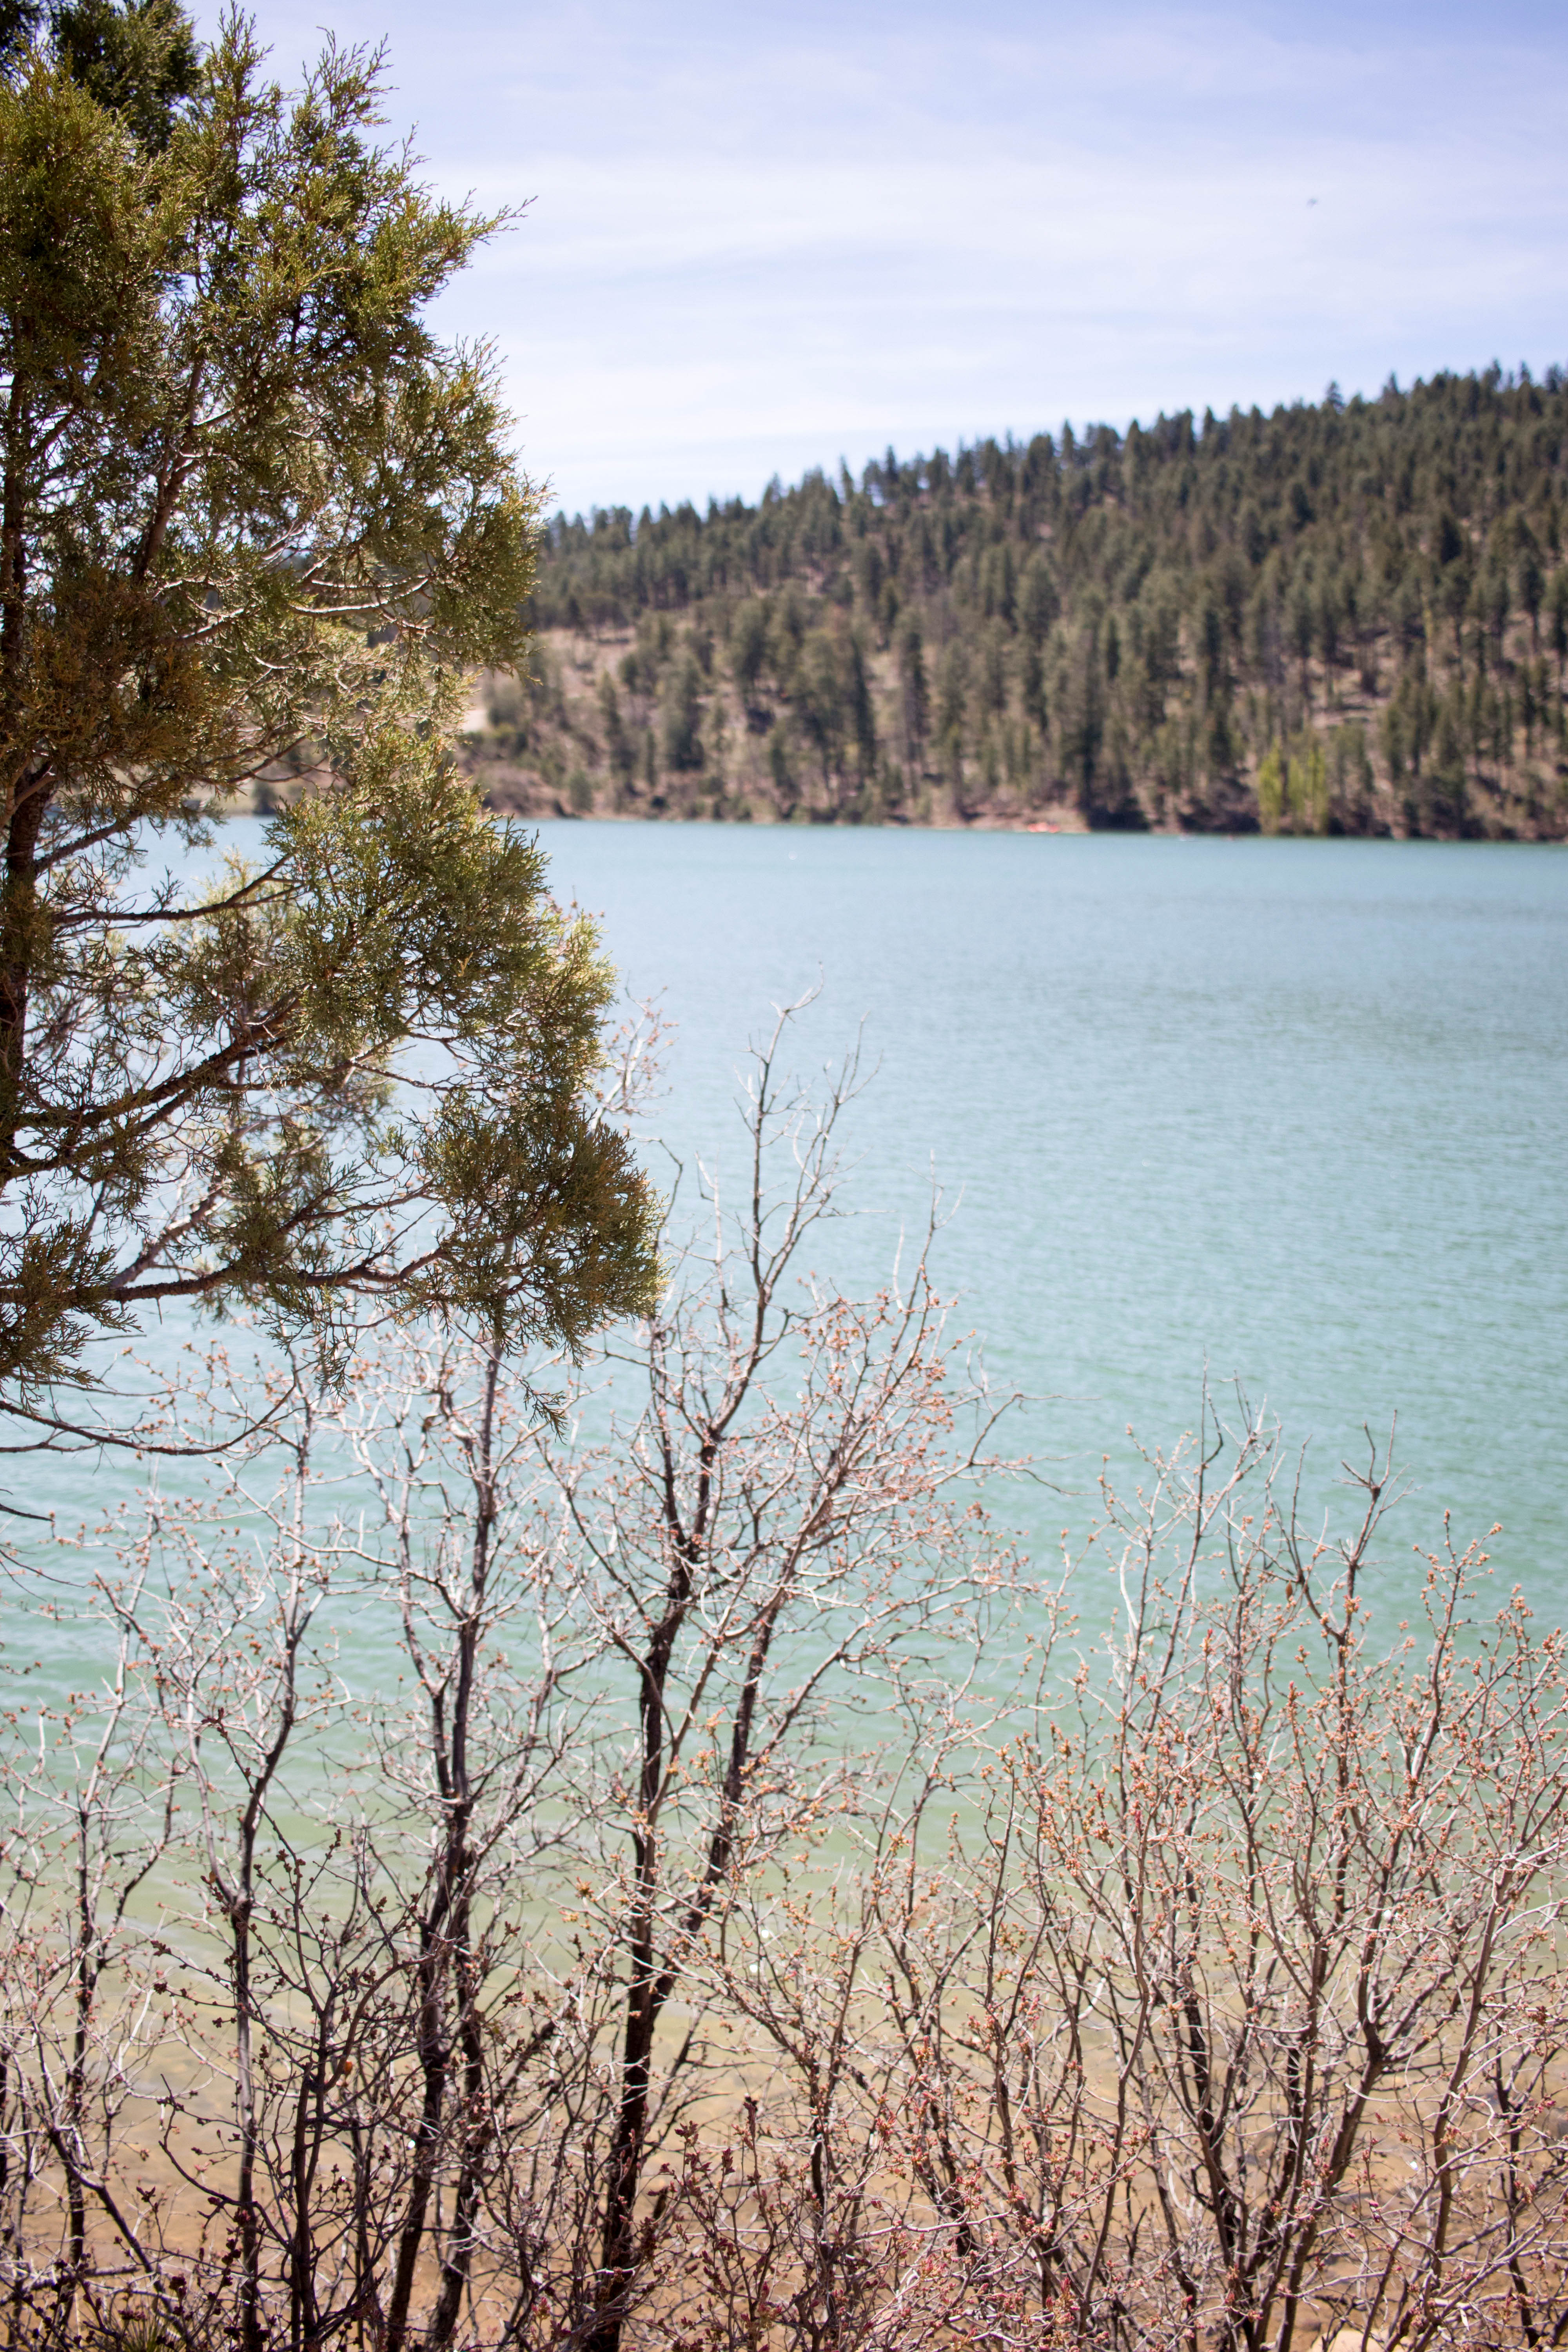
(1126, 626)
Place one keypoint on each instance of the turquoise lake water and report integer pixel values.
(1293, 1111)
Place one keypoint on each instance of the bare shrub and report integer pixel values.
(435, 1946)
(659, 1872)
(1231, 2008)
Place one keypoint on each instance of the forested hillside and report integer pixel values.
(1346, 617)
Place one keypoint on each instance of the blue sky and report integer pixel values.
(761, 238)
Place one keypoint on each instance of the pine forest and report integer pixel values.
(1345, 617)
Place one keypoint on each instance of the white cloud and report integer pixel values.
(758, 239)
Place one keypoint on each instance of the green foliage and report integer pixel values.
(1123, 626)
(19, 24)
(262, 521)
(683, 718)
(139, 58)
(1309, 789)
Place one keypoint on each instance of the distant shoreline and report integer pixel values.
(1345, 617)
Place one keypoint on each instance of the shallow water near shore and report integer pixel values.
(1289, 1113)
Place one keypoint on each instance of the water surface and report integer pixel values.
(1292, 1111)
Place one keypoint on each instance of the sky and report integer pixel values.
(762, 238)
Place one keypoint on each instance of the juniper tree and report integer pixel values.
(255, 513)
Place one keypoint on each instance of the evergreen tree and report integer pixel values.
(915, 702)
(1241, 579)
(748, 645)
(138, 57)
(682, 744)
(260, 520)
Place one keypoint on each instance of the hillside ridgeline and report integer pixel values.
(1345, 617)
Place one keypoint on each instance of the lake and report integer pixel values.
(1295, 1111)
(1292, 1111)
